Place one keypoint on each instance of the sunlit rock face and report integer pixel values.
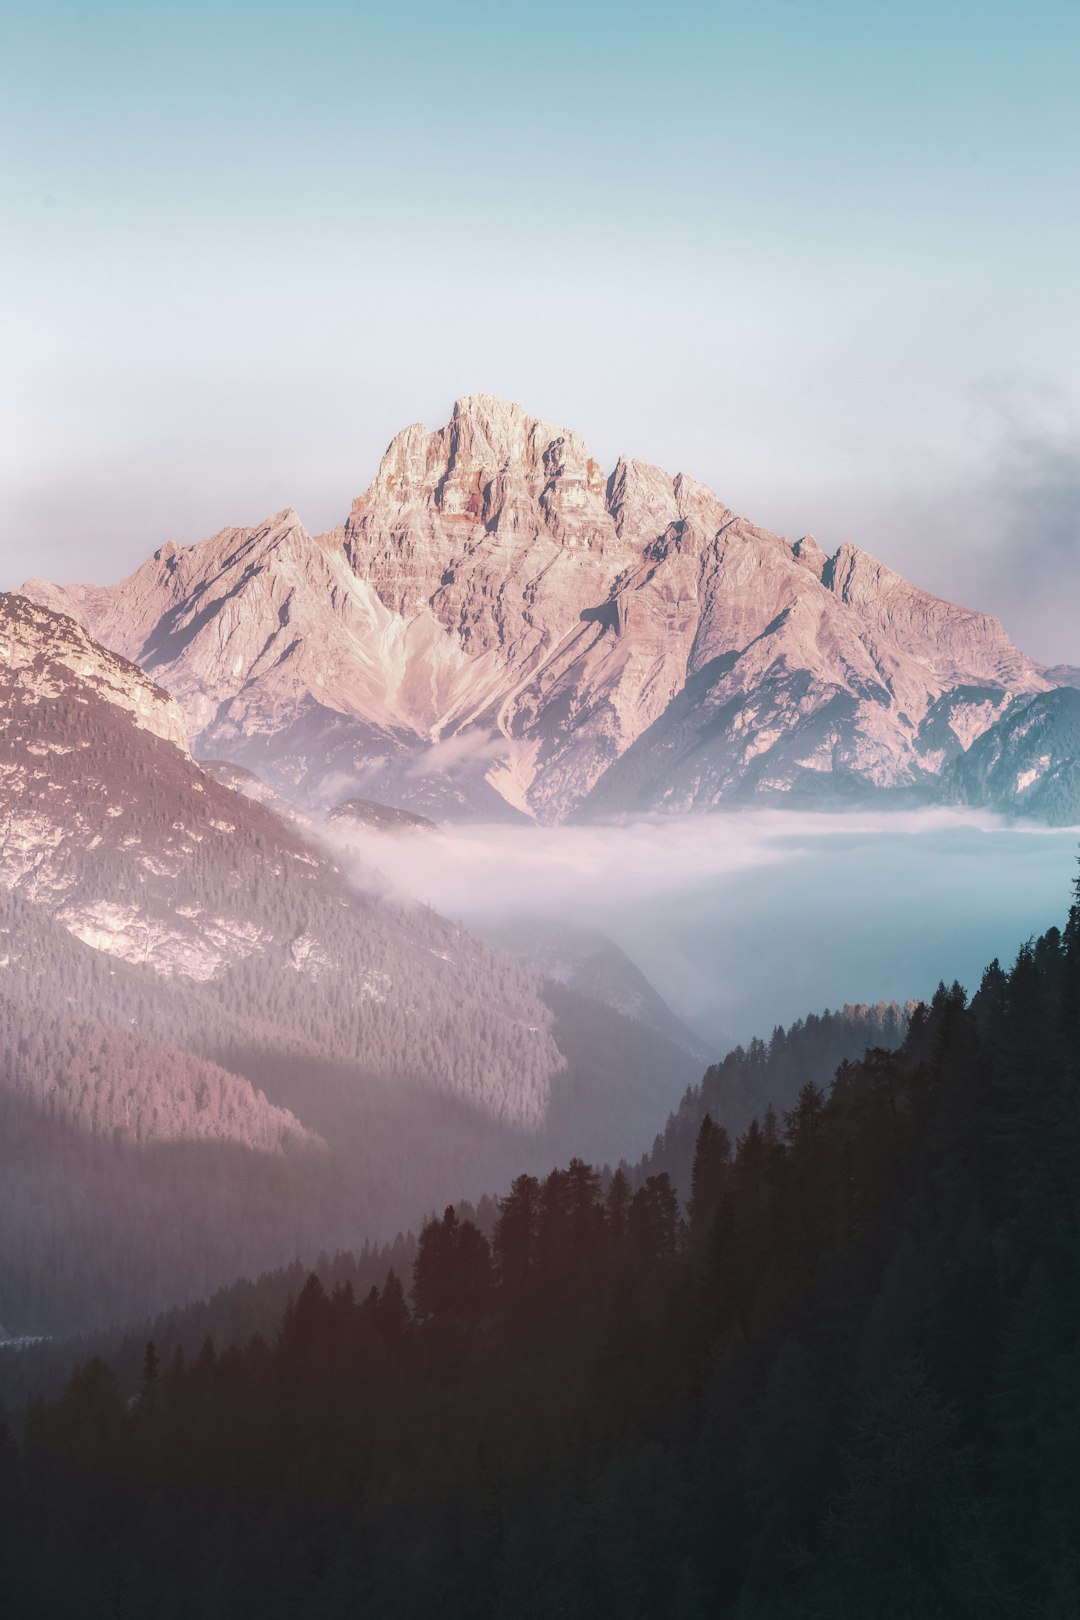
(500, 629)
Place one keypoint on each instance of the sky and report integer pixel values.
(823, 256)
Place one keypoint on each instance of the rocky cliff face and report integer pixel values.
(501, 629)
(1028, 763)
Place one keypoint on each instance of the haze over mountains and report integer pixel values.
(223, 1035)
(500, 629)
(215, 1046)
(111, 829)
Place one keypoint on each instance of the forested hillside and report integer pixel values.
(230, 1315)
(751, 1080)
(843, 1387)
(112, 1082)
(217, 1050)
(142, 1162)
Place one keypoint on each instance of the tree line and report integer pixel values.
(839, 1381)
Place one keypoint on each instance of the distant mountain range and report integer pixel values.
(500, 630)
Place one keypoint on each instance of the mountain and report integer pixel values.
(380, 817)
(115, 831)
(590, 963)
(216, 1046)
(501, 630)
(1028, 762)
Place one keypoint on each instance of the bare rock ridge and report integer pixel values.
(499, 629)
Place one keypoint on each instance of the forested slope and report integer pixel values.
(845, 1387)
(217, 1049)
(751, 1080)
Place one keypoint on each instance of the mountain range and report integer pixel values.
(502, 630)
(223, 1036)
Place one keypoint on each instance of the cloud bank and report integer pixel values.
(746, 919)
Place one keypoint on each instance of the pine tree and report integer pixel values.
(516, 1232)
(151, 1370)
(712, 1155)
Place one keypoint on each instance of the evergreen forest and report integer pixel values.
(835, 1375)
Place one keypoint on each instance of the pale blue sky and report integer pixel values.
(823, 256)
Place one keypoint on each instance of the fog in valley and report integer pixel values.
(746, 920)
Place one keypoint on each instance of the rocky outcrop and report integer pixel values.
(1028, 763)
(382, 818)
(499, 630)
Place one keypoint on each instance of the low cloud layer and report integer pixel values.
(459, 753)
(744, 920)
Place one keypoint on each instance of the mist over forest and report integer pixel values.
(743, 920)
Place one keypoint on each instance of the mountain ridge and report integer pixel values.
(498, 624)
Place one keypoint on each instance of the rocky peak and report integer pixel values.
(492, 461)
(491, 433)
(494, 590)
(810, 554)
(636, 490)
(700, 505)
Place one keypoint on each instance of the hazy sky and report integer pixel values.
(823, 256)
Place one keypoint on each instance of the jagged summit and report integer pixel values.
(492, 450)
(502, 628)
(492, 459)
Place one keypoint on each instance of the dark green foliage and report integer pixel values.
(750, 1079)
(232, 1315)
(907, 1534)
(845, 1389)
(146, 1155)
(452, 1270)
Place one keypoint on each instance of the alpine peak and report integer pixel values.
(577, 641)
